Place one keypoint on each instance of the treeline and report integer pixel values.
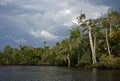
(93, 42)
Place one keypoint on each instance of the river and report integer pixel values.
(54, 73)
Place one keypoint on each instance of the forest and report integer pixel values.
(91, 43)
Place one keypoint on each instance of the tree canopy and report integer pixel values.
(93, 42)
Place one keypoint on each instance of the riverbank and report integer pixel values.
(97, 66)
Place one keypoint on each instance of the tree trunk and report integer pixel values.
(108, 47)
(92, 46)
(110, 28)
(78, 52)
(68, 58)
(95, 45)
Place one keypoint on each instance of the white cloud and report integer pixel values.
(21, 40)
(48, 35)
(9, 37)
(61, 14)
(43, 34)
(34, 7)
(36, 34)
(69, 24)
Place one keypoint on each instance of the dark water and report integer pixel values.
(51, 73)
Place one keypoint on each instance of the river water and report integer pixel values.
(53, 73)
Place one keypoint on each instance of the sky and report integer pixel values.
(30, 22)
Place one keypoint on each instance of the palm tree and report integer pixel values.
(112, 17)
(58, 51)
(92, 44)
(44, 42)
(45, 50)
(75, 36)
(87, 24)
(66, 50)
(106, 24)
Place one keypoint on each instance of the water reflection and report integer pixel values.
(94, 74)
(44, 73)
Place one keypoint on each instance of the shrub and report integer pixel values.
(109, 62)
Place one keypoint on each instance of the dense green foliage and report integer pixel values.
(76, 49)
(109, 62)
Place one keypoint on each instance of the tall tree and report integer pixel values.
(87, 24)
(112, 16)
(76, 37)
(106, 24)
(67, 50)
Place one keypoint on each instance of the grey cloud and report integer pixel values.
(10, 9)
(18, 17)
(113, 4)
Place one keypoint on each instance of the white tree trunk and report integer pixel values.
(68, 58)
(108, 46)
(110, 27)
(78, 56)
(95, 45)
(92, 46)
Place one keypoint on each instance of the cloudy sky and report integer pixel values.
(30, 22)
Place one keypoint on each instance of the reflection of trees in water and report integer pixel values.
(110, 76)
(94, 74)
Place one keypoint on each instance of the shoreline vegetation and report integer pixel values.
(92, 43)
